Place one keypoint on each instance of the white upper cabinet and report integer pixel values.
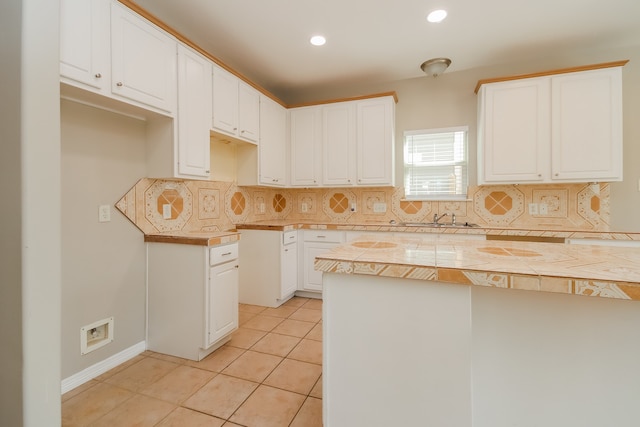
(586, 132)
(558, 128)
(236, 107)
(375, 141)
(515, 122)
(305, 142)
(339, 144)
(273, 143)
(248, 112)
(225, 101)
(349, 143)
(143, 61)
(84, 43)
(194, 112)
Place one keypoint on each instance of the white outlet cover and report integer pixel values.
(166, 211)
(533, 209)
(543, 209)
(379, 207)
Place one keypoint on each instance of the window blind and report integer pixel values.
(435, 163)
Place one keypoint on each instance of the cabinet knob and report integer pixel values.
(557, 174)
(235, 128)
(539, 175)
(119, 84)
(98, 76)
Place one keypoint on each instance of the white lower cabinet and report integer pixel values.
(316, 242)
(192, 298)
(270, 266)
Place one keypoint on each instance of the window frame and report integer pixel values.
(463, 163)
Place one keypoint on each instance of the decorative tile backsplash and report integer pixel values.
(157, 205)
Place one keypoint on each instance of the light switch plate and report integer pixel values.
(543, 209)
(104, 213)
(533, 209)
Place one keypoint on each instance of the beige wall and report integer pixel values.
(103, 264)
(449, 100)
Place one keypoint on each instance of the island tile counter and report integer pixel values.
(405, 344)
(602, 271)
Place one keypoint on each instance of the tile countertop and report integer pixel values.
(202, 238)
(603, 271)
(286, 225)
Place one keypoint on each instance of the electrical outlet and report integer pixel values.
(304, 207)
(543, 209)
(533, 209)
(379, 207)
(261, 208)
(166, 211)
(104, 213)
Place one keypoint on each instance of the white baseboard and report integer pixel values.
(100, 368)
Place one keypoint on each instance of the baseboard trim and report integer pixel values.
(101, 367)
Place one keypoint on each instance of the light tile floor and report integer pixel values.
(268, 375)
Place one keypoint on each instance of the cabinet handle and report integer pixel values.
(236, 266)
(98, 76)
(320, 236)
(235, 128)
(286, 250)
(226, 254)
(119, 84)
(557, 174)
(208, 171)
(539, 175)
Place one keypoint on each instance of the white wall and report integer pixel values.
(103, 264)
(542, 359)
(30, 226)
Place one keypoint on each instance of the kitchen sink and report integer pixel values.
(436, 225)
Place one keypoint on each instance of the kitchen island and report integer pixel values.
(420, 332)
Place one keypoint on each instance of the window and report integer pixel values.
(435, 163)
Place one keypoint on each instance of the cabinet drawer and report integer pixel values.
(289, 237)
(224, 253)
(323, 236)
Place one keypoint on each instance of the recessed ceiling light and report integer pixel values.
(437, 16)
(317, 40)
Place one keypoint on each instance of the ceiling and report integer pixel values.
(375, 41)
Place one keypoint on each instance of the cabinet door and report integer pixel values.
(587, 125)
(225, 101)
(305, 146)
(273, 143)
(339, 144)
(514, 131)
(248, 112)
(194, 112)
(223, 301)
(312, 278)
(289, 269)
(84, 42)
(143, 61)
(375, 141)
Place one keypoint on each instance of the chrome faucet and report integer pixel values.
(437, 218)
